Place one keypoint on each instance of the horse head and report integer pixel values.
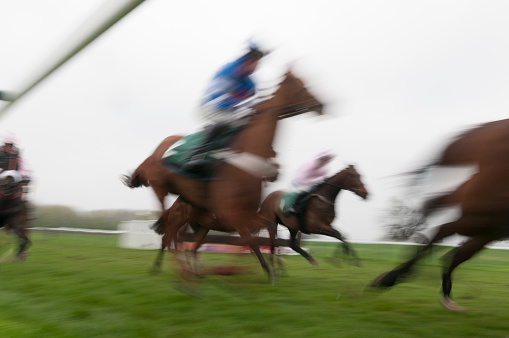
(292, 98)
(349, 179)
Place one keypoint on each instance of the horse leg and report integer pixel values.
(199, 238)
(159, 259)
(186, 279)
(165, 243)
(171, 220)
(161, 195)
(180, 240)
(296, 247)
(23, 243)
(460, 255)
(392, 277)
(328, 230)
(252, 243)
(271, 226)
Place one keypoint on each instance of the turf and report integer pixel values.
(85, 286)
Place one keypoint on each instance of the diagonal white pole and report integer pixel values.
(106, 16)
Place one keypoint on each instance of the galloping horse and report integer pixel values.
(173, 221)
(13, 212)
(181, 213)
(234, 198)
(484, 202)
(319, 212)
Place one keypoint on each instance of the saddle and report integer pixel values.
(181, 152)
(295, 203)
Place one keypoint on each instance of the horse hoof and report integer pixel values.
(187, 289)
(154, 271)
(225, 270)
(356, 263)
(20, 258)
(377, 282)
(450, 305)
(274, 278)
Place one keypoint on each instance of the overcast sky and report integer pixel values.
(398, 77)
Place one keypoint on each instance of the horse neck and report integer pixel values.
(258, 136)
(331, 188)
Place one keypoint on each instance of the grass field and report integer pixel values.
(85, 286)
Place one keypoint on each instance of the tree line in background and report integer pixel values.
(63, 216)
(403, 222)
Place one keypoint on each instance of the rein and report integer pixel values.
(292, 109)
(323, 199)
(333, 185)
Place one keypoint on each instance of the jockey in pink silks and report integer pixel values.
(314, 171)
(308, 175)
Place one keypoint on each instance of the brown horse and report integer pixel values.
(173, 222)
(234, 198)
(484, 202)
(201, 222)
(14, 214)
(484, 144)
(319, 212)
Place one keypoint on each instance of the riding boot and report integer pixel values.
(298, 205)
(300, 220)
(297, 209)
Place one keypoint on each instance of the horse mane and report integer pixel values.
(325, 181)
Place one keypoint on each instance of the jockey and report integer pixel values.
(228, 101)
(310, 174)
(11, 163)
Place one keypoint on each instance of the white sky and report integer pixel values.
(399, 78)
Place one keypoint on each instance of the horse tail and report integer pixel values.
(160, 225)
(415, 177)
(136, 179)
(445, 200)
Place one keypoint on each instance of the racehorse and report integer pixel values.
(172, 223)
(201, 222)
(319, 211)
(483, 199)
(234, 197)
(13, 212)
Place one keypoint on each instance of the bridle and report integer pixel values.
(294, 109)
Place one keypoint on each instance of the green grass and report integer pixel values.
(85, 286)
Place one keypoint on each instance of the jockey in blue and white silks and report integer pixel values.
(230, 87)
(228, 100)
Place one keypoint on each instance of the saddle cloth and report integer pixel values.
(287, 200)
(180, 152)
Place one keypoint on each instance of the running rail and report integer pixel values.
(105, 17)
